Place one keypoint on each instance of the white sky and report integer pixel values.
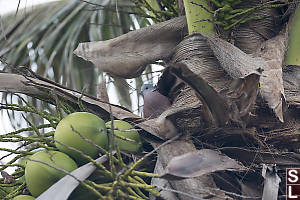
(7, 6)
(11, 5)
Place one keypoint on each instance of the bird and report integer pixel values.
(154, 102)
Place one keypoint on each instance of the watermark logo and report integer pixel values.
(293, 184)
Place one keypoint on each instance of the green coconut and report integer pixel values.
(132, 141)
(40, 176)
(87, 125)
(23, 197)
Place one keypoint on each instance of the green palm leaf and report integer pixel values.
(45, 38)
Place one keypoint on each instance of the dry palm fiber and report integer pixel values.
(197, 55)
(250, 35)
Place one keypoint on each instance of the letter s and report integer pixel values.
(293, 177)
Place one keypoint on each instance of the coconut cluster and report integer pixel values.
(78, 136)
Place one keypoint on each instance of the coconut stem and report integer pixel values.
(199, 17)
(293, 52)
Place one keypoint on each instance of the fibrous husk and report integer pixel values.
(291, 81)
(257, 157)
(269, 58)
(194, 61)
(234, 102)
(250, 35)
(194, 53)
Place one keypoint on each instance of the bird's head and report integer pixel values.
(147, 88)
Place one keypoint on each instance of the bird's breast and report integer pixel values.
(155, 104)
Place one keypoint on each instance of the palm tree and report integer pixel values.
(224, 74)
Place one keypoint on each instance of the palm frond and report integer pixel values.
(45, 38)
